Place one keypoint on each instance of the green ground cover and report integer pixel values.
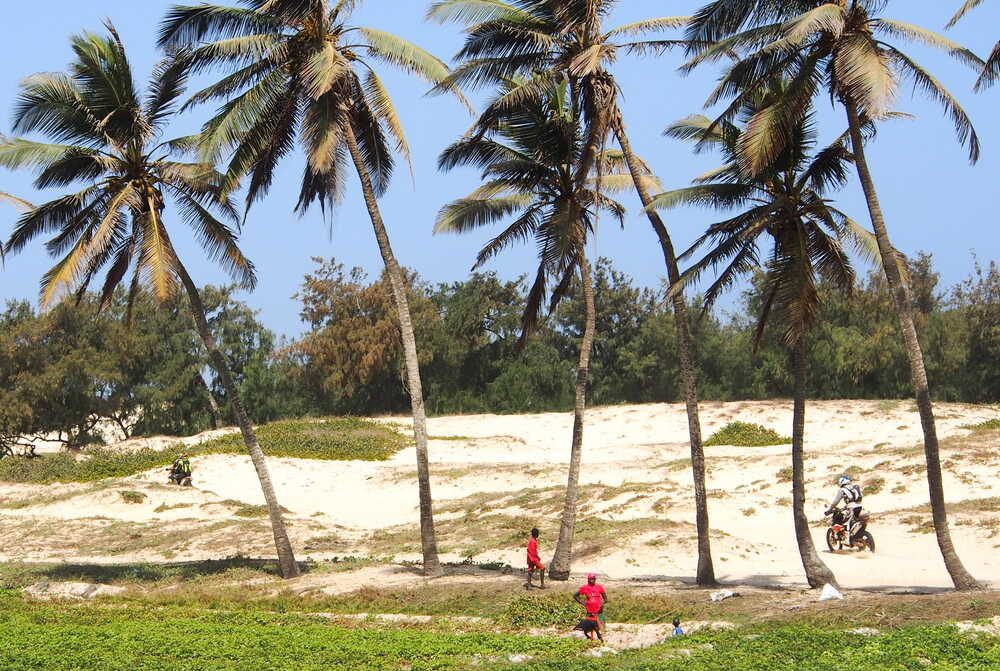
(112, 635)
(742, 434)
(338, 439)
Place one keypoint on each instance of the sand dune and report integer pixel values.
(496, 475)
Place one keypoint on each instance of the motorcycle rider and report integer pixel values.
(850, 494)
(181, 468)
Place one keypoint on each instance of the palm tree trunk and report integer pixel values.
(428, 539)
(901, 299)
(561, 561)
(286, 558)
(817, 572)
(685, 349)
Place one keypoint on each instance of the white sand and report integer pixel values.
(752, 540)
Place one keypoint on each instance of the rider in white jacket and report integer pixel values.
(850, 494)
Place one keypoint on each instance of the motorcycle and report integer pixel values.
(179, 478)
(838, 536)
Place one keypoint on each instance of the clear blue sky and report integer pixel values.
(933, 199)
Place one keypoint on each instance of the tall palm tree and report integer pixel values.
(298, 69)
(547, 39)
(991, 71)
(842, 46)
(107, 133)
(528, 159)
(787, 205)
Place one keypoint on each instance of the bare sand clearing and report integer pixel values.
(496, 476)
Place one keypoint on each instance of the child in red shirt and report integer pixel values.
(535, 561)
(592, 597)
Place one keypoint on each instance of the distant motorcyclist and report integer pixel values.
(850, 493)
(180, 471)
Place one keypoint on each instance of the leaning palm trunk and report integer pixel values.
(560, 567)
(286, 558)
(817, 572)
(901, 300)
(685, 348)
(428, 540)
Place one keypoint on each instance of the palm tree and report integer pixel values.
(549, 39)
(786, 203)
(991, 71)
(108, 140)
(843, 46)
(299, 69)
(529, 158)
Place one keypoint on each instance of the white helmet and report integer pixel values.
(844, 480)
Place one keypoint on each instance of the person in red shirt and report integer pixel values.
(535, 561)
(592, 597)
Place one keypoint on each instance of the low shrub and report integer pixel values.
(132, 496)
(550, 610)
(335, 439)
(743, 434)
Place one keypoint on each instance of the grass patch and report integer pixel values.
(784, 474)
(743, 434)
(336, 439)
(988, 425)
(132, 496)
(873, 486)
(91, 636)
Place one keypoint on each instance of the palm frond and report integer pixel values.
(925, 81)
(928, 38)
(864, 76)
(471, 12)
(639, 28)
(966, 7)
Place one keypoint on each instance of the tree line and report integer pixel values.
(64, 371)
(554, 151)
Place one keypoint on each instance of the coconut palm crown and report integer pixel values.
(528, 160)
(842, 46)
(788, 204)
(107, 140)
(297, 71)
(542, 41)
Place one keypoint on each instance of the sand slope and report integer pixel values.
(496, 476)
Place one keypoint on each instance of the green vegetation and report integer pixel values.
(742, 434)
(132, 496)
(337, 439)
(105, 635)
(987, 425)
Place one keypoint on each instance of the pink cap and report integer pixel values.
(591, 576)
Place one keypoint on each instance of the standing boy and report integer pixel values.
(535, 561)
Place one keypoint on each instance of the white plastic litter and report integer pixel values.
(830, 592)
(723, 594)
